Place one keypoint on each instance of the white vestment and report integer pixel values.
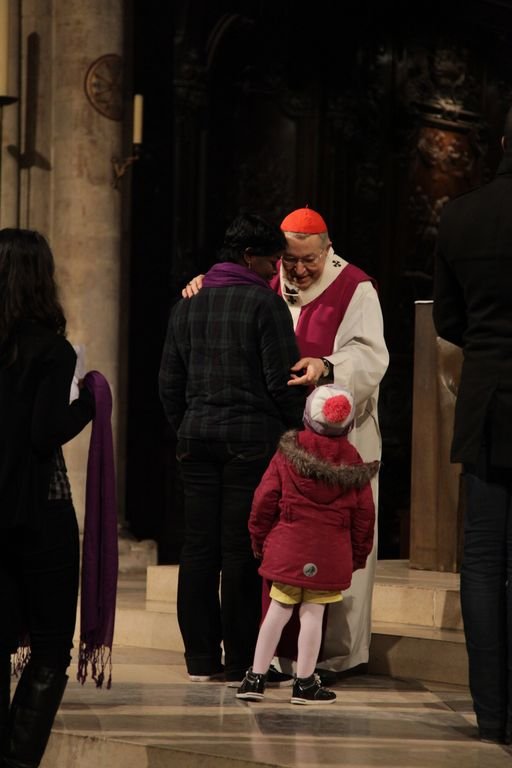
(360, 359)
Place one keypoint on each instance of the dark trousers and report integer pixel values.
(486, 596)
(219, 480)
(39, 575)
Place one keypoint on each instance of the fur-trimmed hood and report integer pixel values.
(314, 507)
(310, 466)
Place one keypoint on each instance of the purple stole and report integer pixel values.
(320, 319)
(100, 548)
(316, 330)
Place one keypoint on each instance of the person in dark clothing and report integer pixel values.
(223, 386)
(473, 309)
(39, 540)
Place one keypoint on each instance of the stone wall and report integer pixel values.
(57, 173)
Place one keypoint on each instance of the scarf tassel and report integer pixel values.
(99, 658)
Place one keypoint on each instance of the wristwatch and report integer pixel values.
(327, 368)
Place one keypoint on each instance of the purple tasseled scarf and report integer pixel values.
(228, 273)
(100, 548)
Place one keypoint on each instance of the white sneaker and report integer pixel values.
(206, 678)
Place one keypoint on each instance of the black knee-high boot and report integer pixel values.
(5, 697)
(31, 715)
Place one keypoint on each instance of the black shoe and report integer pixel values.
(276, 679)
(309, 690)
(252, 687)
(327, 676)
(359, 669)
(492, 735)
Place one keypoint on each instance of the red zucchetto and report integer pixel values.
(304, 220)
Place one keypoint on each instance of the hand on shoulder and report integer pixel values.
(193, 287)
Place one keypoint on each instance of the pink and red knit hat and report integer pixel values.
(329, 410)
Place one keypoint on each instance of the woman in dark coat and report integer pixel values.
(39, 540)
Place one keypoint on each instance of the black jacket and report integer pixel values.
(35, 418)
(473, 309)
(225, 364)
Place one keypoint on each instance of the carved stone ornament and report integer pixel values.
(103, 86)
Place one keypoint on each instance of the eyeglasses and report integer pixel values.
(306, 261)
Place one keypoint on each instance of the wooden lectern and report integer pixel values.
(436, 499)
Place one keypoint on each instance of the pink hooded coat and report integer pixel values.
(313, 515)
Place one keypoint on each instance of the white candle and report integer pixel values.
(4, 45)
(138, 103)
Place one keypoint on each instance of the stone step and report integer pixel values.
(152, 622)
(417, 626)
(429, 599)
(406, 651)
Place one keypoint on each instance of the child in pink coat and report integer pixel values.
(312, 523)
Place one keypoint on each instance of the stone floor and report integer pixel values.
(153, 716)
